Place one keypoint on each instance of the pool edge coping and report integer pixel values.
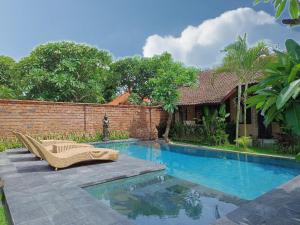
(122, 177)
(232, 151)
(199, 146)
(115, 141)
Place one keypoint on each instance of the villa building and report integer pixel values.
(214, 90)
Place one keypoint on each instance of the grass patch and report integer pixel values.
(8, 144)
(3, 219)
(231, 147)
(257, 150)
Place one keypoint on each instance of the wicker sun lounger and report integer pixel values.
(49, 141)
(28, 144)
(49, 145)
(67, 158)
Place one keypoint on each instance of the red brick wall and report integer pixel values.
(37, 117)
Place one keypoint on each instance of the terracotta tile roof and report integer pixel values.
(120, 100)
(211, 89)
(123, 100)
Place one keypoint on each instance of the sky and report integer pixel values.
(193, 31)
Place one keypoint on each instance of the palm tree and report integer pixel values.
(245, 63)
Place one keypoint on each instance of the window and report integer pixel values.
(198, 112)
(228, 105)
(182, 113)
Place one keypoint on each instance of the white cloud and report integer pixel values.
(201, 45)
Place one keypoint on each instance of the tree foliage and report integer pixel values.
(65, 71)
(293, 9)
(6, 70)
(244, 62)
(170, 77)
(6, 92)
(7, 79)
(133, 75)
(277, 95)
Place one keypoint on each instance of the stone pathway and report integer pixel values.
(36, 194)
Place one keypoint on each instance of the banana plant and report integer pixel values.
(281, 5)
(277, 94)
(214, 123)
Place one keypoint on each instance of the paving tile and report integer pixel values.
(68, 216)
(25, 212)
(101, 214)
(281, 206)
(225, 221)
(40, 221)
(7, 168)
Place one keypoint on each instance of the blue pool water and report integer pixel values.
(246, 177)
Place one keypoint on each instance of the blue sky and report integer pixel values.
(129, 27)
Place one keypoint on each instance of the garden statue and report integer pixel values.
(105, 123)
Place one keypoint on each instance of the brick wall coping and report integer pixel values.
(35, 102)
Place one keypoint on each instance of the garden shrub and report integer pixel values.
(9, 143)
(244, 141)
(187, 132)
(197, 133)
(118, 135)
(80, 137)
(287, 142)
(214, 121)
(211, 130)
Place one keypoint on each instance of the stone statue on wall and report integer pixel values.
(105, 123)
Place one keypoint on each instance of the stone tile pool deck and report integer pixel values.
(37, 195)
(280, 206)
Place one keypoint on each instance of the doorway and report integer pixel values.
(263, 132)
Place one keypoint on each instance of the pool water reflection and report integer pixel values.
(157, 198)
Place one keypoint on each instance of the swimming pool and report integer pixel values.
(241, 175)
(160, 199)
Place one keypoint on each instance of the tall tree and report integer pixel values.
(6, 70)
(127, 70)
(132, 74)
(170, 77)
(244, 63)
(65, 71)
(7, 77)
